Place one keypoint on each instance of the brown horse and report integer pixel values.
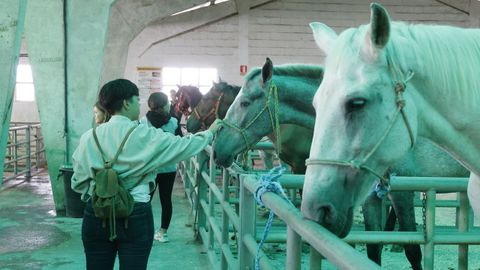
(213, 105)
(188, 96)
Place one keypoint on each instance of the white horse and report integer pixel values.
(385, 84)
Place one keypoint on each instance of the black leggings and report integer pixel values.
(165, 186)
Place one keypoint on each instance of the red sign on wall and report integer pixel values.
(243, 69)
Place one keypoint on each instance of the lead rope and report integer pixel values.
(268, 183)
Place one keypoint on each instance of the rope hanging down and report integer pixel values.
(268, 183)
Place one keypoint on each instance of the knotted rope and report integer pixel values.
(268, 183)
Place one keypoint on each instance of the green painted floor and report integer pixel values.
(32, 237)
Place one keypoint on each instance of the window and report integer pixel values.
(24, 88)
(199, 77)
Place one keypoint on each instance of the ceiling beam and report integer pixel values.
(174, 26)
(460, 5)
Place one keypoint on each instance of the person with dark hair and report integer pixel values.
(159, 117)
(145, 150)
(101, 115)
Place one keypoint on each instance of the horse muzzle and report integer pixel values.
(339, 223)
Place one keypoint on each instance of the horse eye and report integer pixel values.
(244, 104)
(355, 104)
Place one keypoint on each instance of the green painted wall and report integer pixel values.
(44, 33)
(12, 17)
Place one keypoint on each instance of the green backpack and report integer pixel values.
(110, 199)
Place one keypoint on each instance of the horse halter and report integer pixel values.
(399, 88)
(213, 112)
(180, 106)
(274, 118)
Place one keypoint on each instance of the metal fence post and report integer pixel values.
(225, 223)
(28, 173)
(15, 153)
(429, 229)
(315, 259)
(294, 250)
(201, 196)
(247, 225)
(462, 223)
(211, 198)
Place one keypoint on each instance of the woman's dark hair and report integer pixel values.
(113, 93)
(157, 101)
(157, 116)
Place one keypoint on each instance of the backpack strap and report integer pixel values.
(98, 144)
(120, 148)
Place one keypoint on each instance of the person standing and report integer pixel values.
(101, 115)
(159, 117)
(144, 150)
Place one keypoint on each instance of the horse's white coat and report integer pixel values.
(441, 104)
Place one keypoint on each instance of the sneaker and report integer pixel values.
(161, 236)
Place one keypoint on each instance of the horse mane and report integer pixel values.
(450, 57)
(313, 72)
(445, 56)
(225, 87)
(193, 94)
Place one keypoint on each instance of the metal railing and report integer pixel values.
(214, 227)
(25, 153)
(222, 213)
(323, 242)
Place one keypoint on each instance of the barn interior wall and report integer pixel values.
(278, 30)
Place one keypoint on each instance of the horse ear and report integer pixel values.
(378, 32)
(379, 26)
(267, 70)
(324, 36)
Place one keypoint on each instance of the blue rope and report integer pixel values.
(381, 190)
(268, 183)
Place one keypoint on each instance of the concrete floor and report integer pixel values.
(32, 237)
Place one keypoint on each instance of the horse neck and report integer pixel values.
(457, 131)
(295, 95)
(226, 102)
(194, 99)
(444, 80)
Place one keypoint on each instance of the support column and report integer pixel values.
(11, 27)
(87, 24)
(46, 51)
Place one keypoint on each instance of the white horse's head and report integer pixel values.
(248, 119)
(359, 128)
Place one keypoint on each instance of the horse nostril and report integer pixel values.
(327, 213)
